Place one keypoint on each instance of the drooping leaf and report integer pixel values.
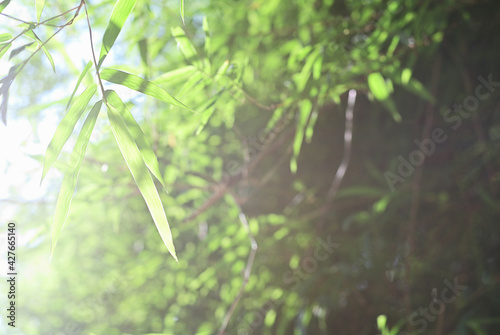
(4, 4)
(71, 177)
(120, 13)
(141, 85)
(82, 75)
(39, 4)
(141, 175)
(208, 40)
(65, 128)
(138, 136)
(4, 91)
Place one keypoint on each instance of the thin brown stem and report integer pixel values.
(93, 53)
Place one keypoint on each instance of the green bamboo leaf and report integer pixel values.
(4, 4)
(377, 86)
(182, 11)
(186, 47)
(141, 175)
(39, 4)
(31, 34)
(140, 139)
(120, 13)
(19, 49)
(65, 128)
(82, 75)
(141, 85)
(176, 76)
(305, 111)
(5, 37)
(4, 48)
(71, 177)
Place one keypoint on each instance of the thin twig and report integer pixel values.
(246, 274)
(93, 53)
(339, 175)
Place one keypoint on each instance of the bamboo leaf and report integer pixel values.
(19, 49)
(305, 111)
(377, 86)
(185, 46)
(141, 175)
(5, 37)
(140, 139)
(141, 85)
(82, 75)
(71, 177)
(65, 128)
(176, 76)
(39, 4)
(182, 11)
(120, 13)
(31, 34)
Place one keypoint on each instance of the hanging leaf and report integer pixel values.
(19, 49)
(5, 37)
(4, 48)
(120, 13)
(71, 177)
(141, 85)
(66, 127)
(82, 75)
(140, 139)
(141, 175)
(381, 91)
(31, 34)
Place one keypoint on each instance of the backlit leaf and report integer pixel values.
(137, 134)
(65, 128)
(82, 75)
(141, 175)
(39, 4)
(120, 13)
(4, 4)
(71, 177)
(141, 85)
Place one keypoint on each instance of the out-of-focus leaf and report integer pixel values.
(175, 76)
(140, 139)
(4, 4)
(5, 37)
(208, 40)
(377, 86)
(186, 47)
(31, 34)
(65, 128)
(82, 75)
(4, 91)
(304, 75)
(71, 177)
(141, 85)
(416, 87)
(19, 49)
(305, 111)
(206, 112)
(141, 175)
(405, 76)
(381, 91)
(39, 4)
(120, 13)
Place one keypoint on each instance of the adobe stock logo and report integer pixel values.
(421, 317)
(453, 117)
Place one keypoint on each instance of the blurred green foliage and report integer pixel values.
(268, 82)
